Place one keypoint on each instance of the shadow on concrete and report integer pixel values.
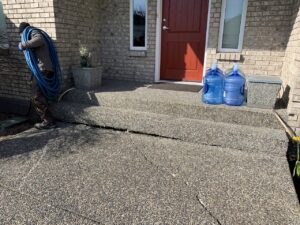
(89, 98)
(59, 142)
(110, 85)
(282, 103)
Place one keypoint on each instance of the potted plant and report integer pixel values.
(86, 76)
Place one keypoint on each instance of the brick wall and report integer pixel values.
(117, 59)
(77, 23)
(3, 36)
(265, 39)
(68, 22)
(291, 69)
(13, 70)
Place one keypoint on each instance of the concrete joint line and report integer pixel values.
(207, 210)
(162, 169)
(182, 180)
(45, 149)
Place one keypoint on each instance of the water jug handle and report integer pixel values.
(205, 88)
(243, 90)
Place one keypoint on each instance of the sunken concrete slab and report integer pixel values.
(120, 178)
(173, 103)
(246, 138)
(236, 187)
(16, 208)
(101, 175)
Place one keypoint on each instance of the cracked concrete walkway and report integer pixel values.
(81, 175)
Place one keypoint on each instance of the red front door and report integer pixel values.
(183, 39)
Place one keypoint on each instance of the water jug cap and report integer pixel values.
(235, 67)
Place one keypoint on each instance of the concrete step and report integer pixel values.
(174, 103)
(235, 136)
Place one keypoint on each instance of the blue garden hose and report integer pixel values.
(50, 87)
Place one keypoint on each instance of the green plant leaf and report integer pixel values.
(297, 169)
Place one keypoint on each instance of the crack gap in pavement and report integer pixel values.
(181, 179)
(149, 134)
(127, 131)
(157, 136)
(209, 212)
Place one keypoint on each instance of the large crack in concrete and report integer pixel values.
(182, 180)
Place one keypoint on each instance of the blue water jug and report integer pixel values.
(234, 88)
(213, 86)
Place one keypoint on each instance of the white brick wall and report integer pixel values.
(14, 73)
(117, 59)
(265, 38)
(77, 22)
(291, 68)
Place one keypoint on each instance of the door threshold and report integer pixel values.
(196, 83)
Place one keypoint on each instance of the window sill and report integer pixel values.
(232, 56)
(4, 51)
(137, 53)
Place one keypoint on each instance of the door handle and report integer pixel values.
(165, 28)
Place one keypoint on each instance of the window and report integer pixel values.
(232, 25)
(138, 24)
(3, 36)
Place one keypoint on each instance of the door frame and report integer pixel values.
(158, 41)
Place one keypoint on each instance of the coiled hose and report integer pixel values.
(50, 87)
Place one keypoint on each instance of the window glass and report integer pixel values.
(139, 16)
(232, 24)
(3, 36)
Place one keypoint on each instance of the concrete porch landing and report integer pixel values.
(139, 97)
(174, 114)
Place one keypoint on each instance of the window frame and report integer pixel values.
(242, 28)
(132, 47)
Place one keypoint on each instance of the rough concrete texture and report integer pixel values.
(99, 175)
(16, 208)
(246, 138)
(13, 164)
(134, 96)
(93, 176)
(262, 94)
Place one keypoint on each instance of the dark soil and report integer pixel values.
(291, 157)
(14, 129)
